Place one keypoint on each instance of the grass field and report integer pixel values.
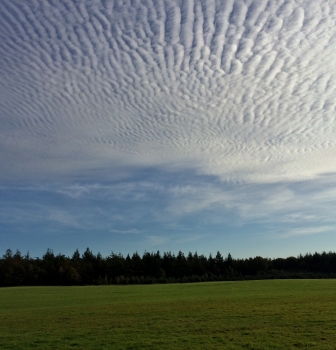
(277, 314)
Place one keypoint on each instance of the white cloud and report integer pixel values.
(126, 232)
(240, 90)
(170, 201)
(307, 231)
(154, 240)
(25, 214)
(140, 117)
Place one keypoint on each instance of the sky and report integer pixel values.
(145, 125)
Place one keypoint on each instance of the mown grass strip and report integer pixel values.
(286, 314)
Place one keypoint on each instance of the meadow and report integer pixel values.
(271, 314)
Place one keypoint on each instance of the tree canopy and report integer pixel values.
(89, 268)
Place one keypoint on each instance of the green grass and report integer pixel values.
(286, 314)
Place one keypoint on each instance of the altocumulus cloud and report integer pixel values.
(240, 91)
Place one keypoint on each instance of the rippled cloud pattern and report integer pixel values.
(244, 90)
(168, 121)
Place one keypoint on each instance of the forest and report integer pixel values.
(94, 269)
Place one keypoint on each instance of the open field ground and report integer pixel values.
(277, 314)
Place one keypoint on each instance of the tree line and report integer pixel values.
(93, 269)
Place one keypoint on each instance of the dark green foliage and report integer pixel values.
(88, 268)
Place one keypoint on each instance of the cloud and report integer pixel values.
(134, 206)
(307, 231)
(162, 120)
(242, 90)
(154, 240)
(30, 214)
(126, 232)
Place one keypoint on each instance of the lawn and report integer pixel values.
(274, 314)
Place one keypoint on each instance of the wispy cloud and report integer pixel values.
(126, 232)
(307, 231)
(169, 203)
(27, 214)
(154, 240)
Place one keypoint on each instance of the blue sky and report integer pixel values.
(168, 125)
